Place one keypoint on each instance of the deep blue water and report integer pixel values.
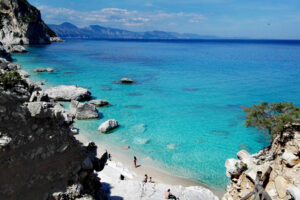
(188, 94)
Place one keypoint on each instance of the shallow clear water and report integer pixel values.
(187, 94)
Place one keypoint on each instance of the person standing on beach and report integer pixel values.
(134, 161)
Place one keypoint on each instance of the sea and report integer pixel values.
(185, 110)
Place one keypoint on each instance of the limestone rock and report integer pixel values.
(21, 24)
(99, 102)
(83, 110)
(294, 192)
(16, 49)
(68, 93)
(4, 54)
(234, 168)
(289, 158)
(39, 96)
(108, 125)
(4, 141)
(281, 185)
(39, 109)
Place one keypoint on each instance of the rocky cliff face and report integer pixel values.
(39, 156)
(273, 172)
(21, 23)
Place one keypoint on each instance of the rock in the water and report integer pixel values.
(83, 110)
(171, 146)
(99, 102)
(108, 125)
(289, 158)
(126, 80)
(41, 69)
(56, 39)
(16, 49)
(68, 93)
(281, 185)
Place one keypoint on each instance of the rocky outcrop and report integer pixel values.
(16, 49)
(68, 93)
(126, 81)
(21, 23)
(41, 69)
(83, 110)
(108, 125)
(99, 102)
(274, 171)
(4, 54)
(37, 149)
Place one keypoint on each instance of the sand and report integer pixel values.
(133, 187)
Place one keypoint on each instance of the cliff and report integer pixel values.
(40, 158)
(21, 23)
(273, 173)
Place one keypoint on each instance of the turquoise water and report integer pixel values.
(187, 94)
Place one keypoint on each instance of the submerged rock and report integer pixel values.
(171, 146)
(108, 125)
(83, 110)
(99, 102)
(68, 93)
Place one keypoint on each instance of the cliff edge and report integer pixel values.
(21, 23)
(273, 173)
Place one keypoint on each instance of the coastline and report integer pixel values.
(121, 164)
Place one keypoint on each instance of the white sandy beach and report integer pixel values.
(133, 187)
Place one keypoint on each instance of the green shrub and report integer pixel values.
(10, 79)
(272, 116)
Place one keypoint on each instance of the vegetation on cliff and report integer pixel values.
(272, 116)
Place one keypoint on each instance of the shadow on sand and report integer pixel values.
(106, 189)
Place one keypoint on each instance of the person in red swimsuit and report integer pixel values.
(134, 161)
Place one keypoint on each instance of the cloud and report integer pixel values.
(117, 17)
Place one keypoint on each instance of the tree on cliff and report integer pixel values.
(272, 116)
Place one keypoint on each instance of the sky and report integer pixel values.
(265, 19)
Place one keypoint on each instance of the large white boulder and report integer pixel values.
(83, 110)
(68, 93)
(231, 167)
(289, 158)
(294, 192)
(108, 125)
